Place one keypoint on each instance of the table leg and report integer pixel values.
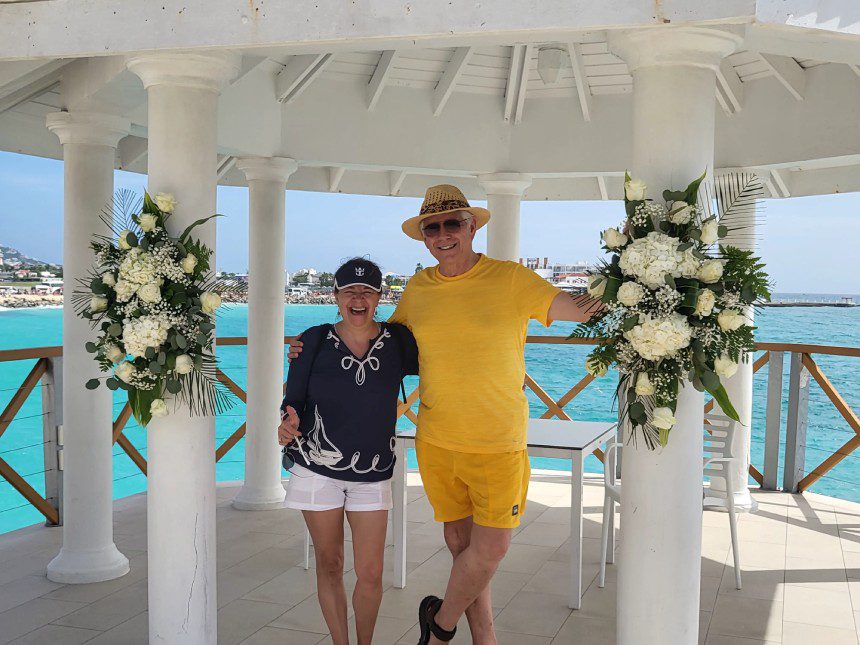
(398, 516)
(575, 530)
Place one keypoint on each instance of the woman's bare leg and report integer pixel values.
(368, 547)
(326, 529)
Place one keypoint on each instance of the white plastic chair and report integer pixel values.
(718, 435)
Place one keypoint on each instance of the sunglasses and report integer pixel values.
(450, 226)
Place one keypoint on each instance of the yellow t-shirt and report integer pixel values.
(471, 333)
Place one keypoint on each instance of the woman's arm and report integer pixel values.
(297, 388)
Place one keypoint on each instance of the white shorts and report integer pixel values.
(310, 491)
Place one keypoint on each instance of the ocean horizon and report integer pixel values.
(555, 368)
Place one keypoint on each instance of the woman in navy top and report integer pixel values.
(339, 413)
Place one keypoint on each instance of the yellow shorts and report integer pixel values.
(491, 488)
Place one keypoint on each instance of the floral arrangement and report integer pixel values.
(670, 301)
(153, 299)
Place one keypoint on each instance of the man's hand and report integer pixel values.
(295, 348)
(289, 428)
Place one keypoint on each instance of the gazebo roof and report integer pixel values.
(391, 105)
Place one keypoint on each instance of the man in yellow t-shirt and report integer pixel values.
(469, 315)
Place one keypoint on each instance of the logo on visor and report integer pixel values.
(359, 271)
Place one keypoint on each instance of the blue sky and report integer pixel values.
(809, 243)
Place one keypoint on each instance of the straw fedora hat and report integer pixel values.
(443, 198)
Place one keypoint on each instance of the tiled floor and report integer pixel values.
(800, 555)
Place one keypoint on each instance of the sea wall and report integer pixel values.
(28, 300)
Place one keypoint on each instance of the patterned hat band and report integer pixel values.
(440, 207)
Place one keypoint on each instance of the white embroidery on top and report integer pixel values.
(369, 360)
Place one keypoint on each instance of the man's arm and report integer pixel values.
(564, 307)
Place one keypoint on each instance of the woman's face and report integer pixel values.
(357, 305)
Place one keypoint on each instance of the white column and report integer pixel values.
(183, 92)
(661, 512)
(88, 553)
(267, 183)
(504, 194)
(740, 389)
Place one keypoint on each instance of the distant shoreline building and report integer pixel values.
(571, 277)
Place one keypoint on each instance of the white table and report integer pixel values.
(573, 440)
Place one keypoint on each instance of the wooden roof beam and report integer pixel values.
(395, 181)
(512, 85)
(522, 85)
(298, 74)
(335, 175)
(448, 82)
(730, 88)
(225, 164)
(380, 76)
(788, 72)
(779, 183)
(601, 186)
(31, 85)
(583, 90)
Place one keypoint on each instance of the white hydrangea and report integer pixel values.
(657, 338)
(651, 258)
(690, 264)
(125, 290)
(137, 267)
(630, 293)
(143, 332)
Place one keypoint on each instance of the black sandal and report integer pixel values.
(426, 619)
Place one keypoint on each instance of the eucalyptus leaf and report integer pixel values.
(181, 341)
(630, 322)
(162, 358)
(173, 386)
(131, 239)
(115, 329)
(91, 347)
(149, 353)
(722, 230)
(155, 367)
(92, 384)
(668, 279)
(112, 384)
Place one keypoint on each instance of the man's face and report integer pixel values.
(449, 236)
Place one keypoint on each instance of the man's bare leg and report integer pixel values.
(458, 534)
(471, 575)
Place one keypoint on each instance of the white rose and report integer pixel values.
(108, 279)
(184, 364)
(165, 202)
(630, 293)
(711, 271)
(681, 213)
(158, 408)
(725, 366)
(124, 371)
(730, 319)
(710, 232)
(644, 386)
(634, 190)
(705, 303)
(663, 418)
(113, 353)
(209, 301)
(596, 286)
(188, 263)
(594, 368)
(123, 241)
(150, 292)
(148, 222)
(614, 238)
(98, 303)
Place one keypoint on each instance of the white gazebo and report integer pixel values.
(508, 100)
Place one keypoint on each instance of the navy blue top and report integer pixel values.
(347, 405)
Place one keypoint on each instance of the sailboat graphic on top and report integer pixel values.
(321, 450)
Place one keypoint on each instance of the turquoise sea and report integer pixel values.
(555, 368)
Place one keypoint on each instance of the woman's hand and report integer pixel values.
(289, 428)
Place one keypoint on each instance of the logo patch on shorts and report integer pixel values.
(515, 510)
